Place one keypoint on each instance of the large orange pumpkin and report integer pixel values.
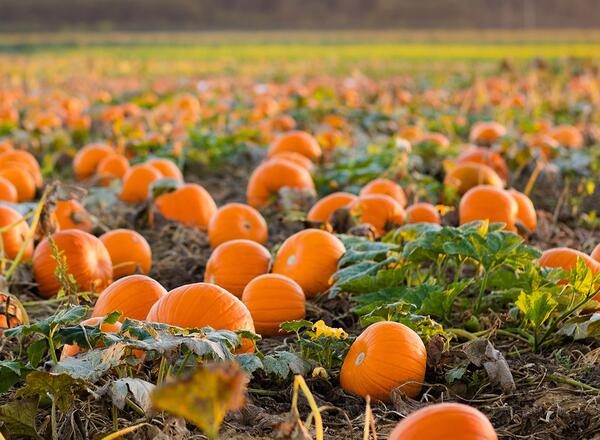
(566, 259)
(422, 213)
(71, 215)
(234, 221)
(385, 356)
(447, 421)
(133, 295)
(23, 159)
(129, 252)
(484, 133)
(325, 207)
(233, 264)
(273, 175)
(167, 168)
(14, 238)
(189, 204)
(380, 211)
(297, 142)
(487, 157)
(386, 187)
(137, 181)
(486, 202)
(200, 305)
(87, 159)
(8, 192)
(310, 258)
(86, 257)
(21, 180)
(73, 349)
(526, 214)
(466, 175)
(273, 299)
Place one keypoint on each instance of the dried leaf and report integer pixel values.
(92, 365)
(140, 389)
(60, 387)
(481, 352)
(18, 418)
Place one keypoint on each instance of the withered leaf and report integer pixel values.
(481, 352)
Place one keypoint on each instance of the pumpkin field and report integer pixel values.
(337, 236)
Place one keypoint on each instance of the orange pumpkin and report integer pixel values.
(86, 257)
(129, 252)
(137, 181)
(325, 207)
(234, 221)
(87, 159)
(71, 215)
(296, 158)
(23, 159)
(234, 263)
(422, 213)
(484, 133)
(437, 139)
(8, 192)
(596, 253)
(486, 202)
(385, 356)
(466, 175)
(15, 237)
(448, 421)
(167, 168)
(273, 299)
(271, 176)
(487, 157)
(298, 142)
(566, 259)
(200, 305)
(526, 214)
(133, 295)
(12, 312)
(112, 167)
(73, 349)
(310, 258)
(386, 187)
(283, 123)
(21, 180)
(189, 204)
(567, 136)
(5, 147)
(380, 211)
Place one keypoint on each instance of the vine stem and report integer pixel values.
(570, 381)
(481, 291)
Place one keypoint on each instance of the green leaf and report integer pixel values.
(296, 326)
(65, 316)
(93, 364)
(36, 351)
(11, 372)
(249, 362)
(60, 386)
(537, 306)
(439, 301)
(582, 327)
(18, 418)
(455, 374)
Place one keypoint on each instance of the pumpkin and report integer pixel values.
(386, 187)
(298, 142)
(437, 139)
(566, 259)
(545, 144)
(487, 157)
(484, 133)
(325, 207)
(8, 192)
(526, 214)
(422, 213)
(567, 136)
(234, 263)
(296, 158)
(596, 253)
(166, 167)
(87, 159)
(73, 349)
(380, 211)
(385, 356)
(466, 175)
(203, 305)
(447, 421)
(129, 252)
(15, 237)
(234, 221)
(86, 257)
(12, 312)
(137, 181)
(190, 204)
(273, 175)
(5, 147)
(310, 258)
(133, 295)
(21, 180)
(486, 202)
(283, 123)
(112, 167)
(273, 299)
(71, 215)
(23, 159)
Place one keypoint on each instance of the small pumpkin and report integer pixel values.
(272, 300)
(12, 312)
(438, 139)
(133, 295)
(485, 202)
(15, 237)
(296, 141)
(190, 204)
(237, 221)
(385, 356)
(21, 180)
(448, 421)
(296, 158)
(87, 159)
(167, 168)
(200, 305)
(8, 192)
(485, 133)
(380, 211)
(596, 253)
(71, 215)
(422, 213)
(112, 167)
(487, 157)
(526, 214)
(466, 175)
(86, 257)
(310, 258)
(567, 136)
(23, 159)
(386, 187)
(70, 350)
(233, 264)
(137, 181)
(129, 252)
(325, 207)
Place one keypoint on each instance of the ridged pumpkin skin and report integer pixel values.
(526, 214)
(129, 252)
(386, 187)
(21, 180)
(422, 213)
(467, 175)
(71, 215)
(167, 168)
(310, 258)
(137, 181)
(12, 312)
(13, 239)
(87, 159)
(486, 202)
(325, 207)
(133, 295)
(294, 157)
(233, 264)
(271, 176)
(596, 253)
(112, 167)
(73, 349)
(298, 142)
(380, 211)
(8, 192)
(203, 305)
(23, 159)
(567, 136)
(87, 259)
(385, 356)
(486, 157)
(190, 204)
(237, 221)
(273, 299)
(484, 133)
(447, 421)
